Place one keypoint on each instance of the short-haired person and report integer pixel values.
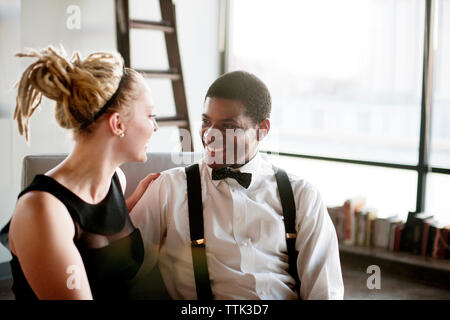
(70, 235)
(242, 227)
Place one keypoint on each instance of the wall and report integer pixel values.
(43, 23)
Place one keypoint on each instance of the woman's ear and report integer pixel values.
(263, 129)
(116, 124)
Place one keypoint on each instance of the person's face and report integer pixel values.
(141, 126)
(228, 135)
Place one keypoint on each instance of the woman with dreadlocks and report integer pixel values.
(70, 235)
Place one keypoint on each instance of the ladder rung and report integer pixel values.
(172, 122)
(152, 25)
(165, 74)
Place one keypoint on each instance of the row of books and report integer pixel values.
(420, 234)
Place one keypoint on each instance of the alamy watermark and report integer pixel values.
(374, 281)
(74, 279)
(73, 21)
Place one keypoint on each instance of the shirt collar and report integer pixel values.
(253, 167)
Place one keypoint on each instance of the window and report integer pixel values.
(346, 84)
(440, 143)
(345, 75)
(390, 191)
(438, 185)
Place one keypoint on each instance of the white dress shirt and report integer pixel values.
(245, 236)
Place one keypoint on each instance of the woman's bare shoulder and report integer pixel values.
(40, 213)
(34, 202)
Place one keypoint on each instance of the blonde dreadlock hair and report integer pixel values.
(80, 87)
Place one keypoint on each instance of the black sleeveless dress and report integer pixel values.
(110, 246)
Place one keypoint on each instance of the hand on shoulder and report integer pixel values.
(140, 190)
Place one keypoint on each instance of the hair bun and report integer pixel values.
(49, 74)
(78, 86)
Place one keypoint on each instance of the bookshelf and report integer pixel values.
(400, 257)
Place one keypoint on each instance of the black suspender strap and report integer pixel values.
(289, 214)
(196, 226)
(195, 207)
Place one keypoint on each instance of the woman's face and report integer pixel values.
(140, 127)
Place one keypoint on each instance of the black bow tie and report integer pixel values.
(242, 178)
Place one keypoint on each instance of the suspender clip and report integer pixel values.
(198, 243)
(291, 235)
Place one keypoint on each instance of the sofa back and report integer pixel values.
(134, 171)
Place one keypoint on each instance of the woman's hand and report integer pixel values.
(140, 189)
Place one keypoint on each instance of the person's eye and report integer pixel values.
(205, 122)
(152, 116)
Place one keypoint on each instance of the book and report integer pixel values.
(431, 239)
(436, 243)
(381, 232)
(447, 246)
(358, 215)
(392, 232)
(361, 218)
(372, 233)
(444, 239)
(350, 207)
(398, 235)
(426, 235)
(420, 219)
(371, 216)
(411, 240)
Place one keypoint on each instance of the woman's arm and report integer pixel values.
(140, 189)
(41, 236)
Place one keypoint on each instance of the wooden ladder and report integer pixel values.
(168, 26)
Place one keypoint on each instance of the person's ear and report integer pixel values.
(263, 129)
(116, 124)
